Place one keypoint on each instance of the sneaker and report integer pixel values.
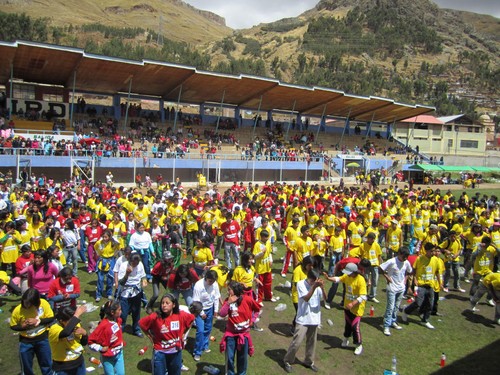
(404, 317)
(197, 358)
(139, 334)
(460, 290)
(491, 302)
(97, 299)
(207, 350)
(428, 325)
(313, 368)
(446, 290)
(374, 300)
(473, 308)
(275, 299)
(396, 326)
(387, 331)
(358, 350)
(184, 368)
(467, 281)
(288, 367)
(498, 322)
(283, 275)
(327, 306)
(255, 327)
(345, 342)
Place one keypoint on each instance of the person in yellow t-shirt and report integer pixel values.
(289, 239)
(354, 304)
(452, 249)
(355, 232)
(106, 248)
(437, 285)
(490, 284)
(483, 262)
(67, 338)
(393, 238)
(31, 318)
(336, 249)
(370, 249)
(303, 245)
(425, 269)
(262, 252)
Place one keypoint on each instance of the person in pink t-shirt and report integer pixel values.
(41, 273)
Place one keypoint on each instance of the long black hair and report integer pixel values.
(175, 309)
(237, 289)
(32, 296)
(45, 256)
(108, 309)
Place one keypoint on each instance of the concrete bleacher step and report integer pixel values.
(33, 125)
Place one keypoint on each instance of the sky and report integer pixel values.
(240, 14)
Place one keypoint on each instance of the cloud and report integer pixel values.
(241, 14)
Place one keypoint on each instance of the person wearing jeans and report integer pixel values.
(31, 318)
(130, 275)
(426, 268)
(395, 271)
(452, 249)
(370, 249)
(239, 307)
(231, 232)
(206, 291)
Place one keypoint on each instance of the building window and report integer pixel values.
(469, 144)
(23, 92)
(450, 142)
(476, 130)
(53, 98)
(448, 128)
(469, 129)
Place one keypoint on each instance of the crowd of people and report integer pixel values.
(205, 247)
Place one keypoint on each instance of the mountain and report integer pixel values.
(409, 50)
(179, 21)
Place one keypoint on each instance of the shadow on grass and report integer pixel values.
(482, 361)
(475, 318)
(276, 355)
(458, 297)
(281, 329)
(332, 341)
(375, 322)
(144, 365)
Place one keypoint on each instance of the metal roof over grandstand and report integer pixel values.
(56, 65)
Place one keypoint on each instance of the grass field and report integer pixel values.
(471, 341)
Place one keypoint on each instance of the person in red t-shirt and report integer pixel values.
(165, 329)
(239, 308)
(161, 274)
(182, 281)
(64, 290)
(231, 232)
(93, 233)
(107, 338)
(27, 257)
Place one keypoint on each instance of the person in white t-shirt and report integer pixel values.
(395, 271)
(307, 321)
(132, 278)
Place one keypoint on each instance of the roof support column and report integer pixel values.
(128, 104)
(256, 119)
(11, 89)
(270, 120)
(346, 127)
(410, 133)
(220, 111)
(388, 131)
(369, 127)
(321, 123)
(177, 109)
(72, 101)
(161, 108)
(237, 117)
(290, 120)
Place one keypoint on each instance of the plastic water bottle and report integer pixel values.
(372, 311)
(211, 370)
(443, 360)
(394, 366)
(95, 361)
(330, 322)
(280, 307)
(143, 350)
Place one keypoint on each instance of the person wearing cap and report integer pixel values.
(393, 238)
(307, 321)
(354, 304)
(452, 249)
(426, 269)
(395, 271)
